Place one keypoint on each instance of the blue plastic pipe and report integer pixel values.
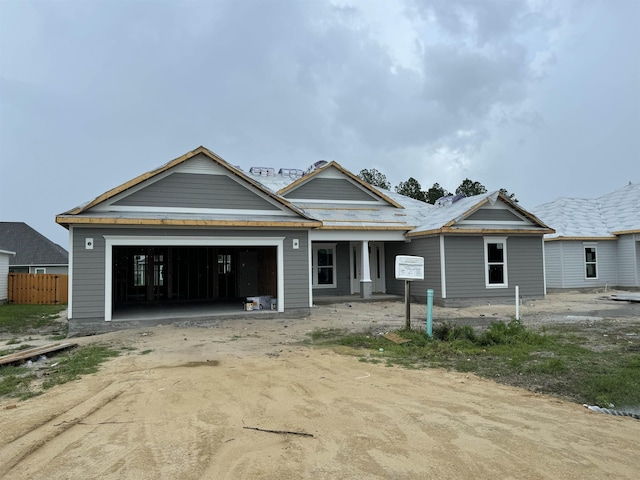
(430, 312)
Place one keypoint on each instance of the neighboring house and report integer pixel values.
(199, 231)
(597, 241)
(35, 253)
(4, 273)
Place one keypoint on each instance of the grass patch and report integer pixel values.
(25, 382)
(15, 381)
(81, 361)
(559, 361)
(16, 319)
(146, 352)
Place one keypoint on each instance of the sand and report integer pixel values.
(189, 409)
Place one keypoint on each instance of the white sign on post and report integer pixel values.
(409, 267)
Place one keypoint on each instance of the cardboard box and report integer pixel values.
(263, 302)
(274, 304)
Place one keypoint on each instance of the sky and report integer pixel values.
(541, 97)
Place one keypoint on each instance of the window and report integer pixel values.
(139, 270)
(140, 265)
(324, 265)
(495, 259)
(590, 263)
(41, 270)
(224, 263)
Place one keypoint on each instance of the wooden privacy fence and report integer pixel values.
(41, 288)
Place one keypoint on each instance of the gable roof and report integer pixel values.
(74, 215)
(604, 217)
(444, 219)
(318, 171)
(31, 247)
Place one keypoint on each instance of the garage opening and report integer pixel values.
(154, 277)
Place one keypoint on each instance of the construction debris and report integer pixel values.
(24, 355)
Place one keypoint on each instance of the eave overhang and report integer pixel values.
(481, 231)
(580, 239)
(66, 220)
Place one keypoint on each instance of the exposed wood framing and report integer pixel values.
(66, 220)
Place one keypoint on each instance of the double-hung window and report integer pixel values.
(324, 265)
(495, 260)
(590, 262)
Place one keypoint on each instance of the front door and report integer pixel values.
(376, 266)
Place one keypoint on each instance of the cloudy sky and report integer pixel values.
(541, 97)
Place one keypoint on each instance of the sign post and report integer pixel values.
(409, 268)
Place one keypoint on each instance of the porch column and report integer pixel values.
(365, 279)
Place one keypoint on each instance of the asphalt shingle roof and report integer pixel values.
(31, 247)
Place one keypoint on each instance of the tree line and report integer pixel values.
(412, 188)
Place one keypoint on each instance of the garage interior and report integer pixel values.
(147, 280)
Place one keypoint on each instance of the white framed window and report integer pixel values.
(495, 261)
(324, 265)
(590, 262)
(41, 270)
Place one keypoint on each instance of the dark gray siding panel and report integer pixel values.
(331, 189)
(296, 268)
(526, 269)
(89, 265)
(186, 190)
(88, 274)
(465, 267)
(342, 273)
(494, 214)
(429, 249)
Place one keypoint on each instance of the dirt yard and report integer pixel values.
(189, 408)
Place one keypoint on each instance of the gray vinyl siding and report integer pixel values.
(330, 189)
(186, 190)
(628, 260)
(525, 264)
(553, 264)
(494, 214)
(571, 256)
(296, 267)
(88, 277)
(343, 282)
(429, 249)
(465, 267)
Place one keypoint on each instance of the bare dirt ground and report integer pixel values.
(180, 411)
